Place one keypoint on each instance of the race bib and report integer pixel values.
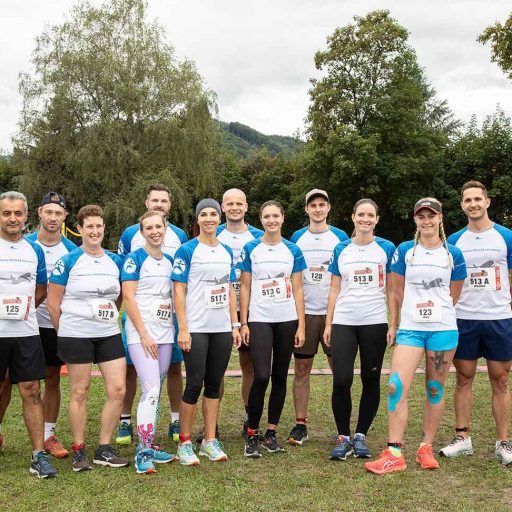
(161, 310)
(14, 307)
(216, 296)
(427, 311)
(316, 274)
(369, 276)
(104, 310)
(236, 286)
(487, 279)
(274, 289)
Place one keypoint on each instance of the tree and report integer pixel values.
(500, 37)
(110, 109)
(8, 176)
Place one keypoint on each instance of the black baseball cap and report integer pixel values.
(429, 203)
(54, 198)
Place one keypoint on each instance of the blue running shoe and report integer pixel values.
(174, 431)
(144, 461)
(41, 466)
(360, 448)
(161, 457)
(186, 454)
(342, 449)
(125, 433)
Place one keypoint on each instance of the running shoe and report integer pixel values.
(160, 456)
(80, 461)
(125, 433)
(186, 454)
(386, 463)
(54, 447)
(361, 449)
(504, 452)
(200, 436)
(459, 446)
(41, 466)
(271, 444)
(298, 436)
(425, 457)
(253, 447)
(106, 456)
(144, 461)
(343, 448)
(214, 450)
(174, 431)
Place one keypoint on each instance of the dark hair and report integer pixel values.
(158, 187)
(366, 201)
(473, 184)
(151, 213)
(272, 203)
(90, 210)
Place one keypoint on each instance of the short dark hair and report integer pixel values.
(473, 184)
(90, 210)
(158, 187)
(272, 203)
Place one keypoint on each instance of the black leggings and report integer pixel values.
(206, 363)
(345, 340)
(271, 347)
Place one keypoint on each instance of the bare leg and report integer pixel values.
(187, 415)
(33, 413)
(463, 396)
(5, 396)
(79, 382)
(51, 394)
(175, 387)
(498, 375)
(247, 375)
(301, 386)
(210, 414)
(131, 389)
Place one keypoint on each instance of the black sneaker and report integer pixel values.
(80, 461)
(41, 466)
(106, 456)
(200, 436)
(253, 447)
(271, 443)
(298, 436)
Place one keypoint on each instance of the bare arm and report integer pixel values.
(55, 294)
(179, 297)
(245, 293)
(395, 284)
(334, 291)
(298, 295)
(455, 290)
(41, 293)
(234, 317)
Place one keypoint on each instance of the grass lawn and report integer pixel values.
(300, 479)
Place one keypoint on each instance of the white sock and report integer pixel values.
(126, 418)
(175, 416)
(49, 430)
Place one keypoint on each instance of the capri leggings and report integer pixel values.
(345, 340)
(206, 363)
(271, 347)
(151, 374)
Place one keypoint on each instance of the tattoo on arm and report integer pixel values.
(438, 360)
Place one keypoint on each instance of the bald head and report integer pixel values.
(234, 192)
(234, 205)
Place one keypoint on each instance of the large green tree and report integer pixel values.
(499, 36)
(109, 109)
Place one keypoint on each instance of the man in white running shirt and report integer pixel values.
(484, 320)
(158, 198)
(235, 233)
(317, 242)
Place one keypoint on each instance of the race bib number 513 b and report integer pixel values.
(369, 276)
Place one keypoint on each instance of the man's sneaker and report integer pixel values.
(271, 444)
(343, 448)
(214, 450)
(106, 456)
(253, 447)
(54, 447)
(386, 463)
(459, 446)
(186, 454)
(298, 436)
(361, 449)
(80, 461)
(200, 436)
(125, 433)
(504, 452)
(174, 431)
(41, 466)
(160, 456)
(144, 461)
(425, 457)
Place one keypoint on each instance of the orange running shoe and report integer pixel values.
(386, 463)
(54, 447)
(425, 458)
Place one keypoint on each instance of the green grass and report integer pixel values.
(300, 479)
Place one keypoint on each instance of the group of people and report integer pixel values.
(236, 286)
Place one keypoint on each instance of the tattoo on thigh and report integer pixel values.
(438, 360)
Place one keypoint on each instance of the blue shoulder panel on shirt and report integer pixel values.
(182, 260)
(454, 237)
(62, 268)
(132, 265)
(507, 236)
(389, 248)
(232, 275)
(68, 244)
(334, 268)
(459, 272)
(125, 242)
(298, 234)
(179, 233)
(244, 261)
(116, 258)
(339, 233)
(220, 229)
(41, 275)
(299, 263)
(255, 232)
(31, 237)
(398, 259)
(169, 257)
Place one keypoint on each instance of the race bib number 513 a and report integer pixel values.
(487, 278)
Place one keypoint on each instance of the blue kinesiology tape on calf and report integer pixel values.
(434, 391)
(395, 397)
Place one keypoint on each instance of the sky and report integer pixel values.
(257, 55)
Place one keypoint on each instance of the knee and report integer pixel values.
(302, 373)
(464, 382)
(192, 392)
(395, 391)
(261, 378)
(52, 379)
(79, 395)
(117, 392)
(246, 367)
(211, 390)
(435, 391)
(500, 384)
(370, 375)
(175, 370)
(30, 391)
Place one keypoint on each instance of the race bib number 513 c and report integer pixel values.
(14, 307)
(277, 288)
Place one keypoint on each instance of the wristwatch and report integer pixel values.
(236, 325)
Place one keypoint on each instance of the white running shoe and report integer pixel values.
(504, 452)
(459, 446)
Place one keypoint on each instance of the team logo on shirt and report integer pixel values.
(58, 269)
(179, 266)
(242, 256)
(394, 259)
(129, 266)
